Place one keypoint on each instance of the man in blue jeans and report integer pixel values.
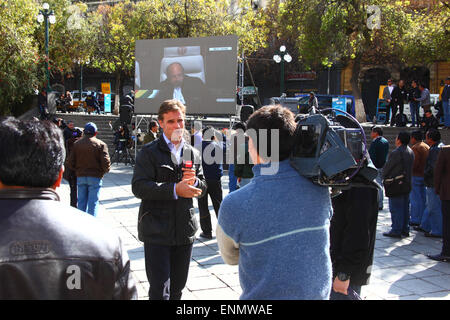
(417, 197)
(400, 161)
(90, 161)
(414, 106)
(432, 218)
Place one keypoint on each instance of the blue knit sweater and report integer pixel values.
(281, 223)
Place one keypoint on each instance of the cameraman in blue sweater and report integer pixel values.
(277, 226)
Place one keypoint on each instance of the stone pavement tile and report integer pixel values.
(138, 264)
(136, 254)
(237, 289)
(403, 251)
(424, 248)
(443, 267)
(390, 261)
(390, 275)
(417, 258)
(384, 242)
(418, 286)
(208, 260)
(411, 297)
(442, 295)
(209, 242)
(440, 281)
(421, 271)
(142, 291)
(220, 269)
(188, 295)
(203, 250)
(198, 271)
(206, 282)
(231, 279)
(217, 294)
(366, 294)
(388, 291)
(374, 278)
(140, 276)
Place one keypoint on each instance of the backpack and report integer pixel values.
(401, 120)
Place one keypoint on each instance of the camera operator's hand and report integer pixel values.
(341, 286)
(185, 190)
(189, 175)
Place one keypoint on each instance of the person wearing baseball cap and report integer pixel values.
(90, 161)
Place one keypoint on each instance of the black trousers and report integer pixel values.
(73, 191)
(214, 190)
(394, 107)
(445, 205)
(167, 269)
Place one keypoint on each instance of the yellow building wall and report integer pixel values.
(346, 75)
(438, 72)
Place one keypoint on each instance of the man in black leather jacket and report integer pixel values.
(49, 250)
(166, 221)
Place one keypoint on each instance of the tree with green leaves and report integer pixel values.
(362, 32)
(114, 41)
(18, 54)
(70, 38)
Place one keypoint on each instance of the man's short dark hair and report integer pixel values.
(418, 135)
(434, 134)
(377, 130)
(171, 106)
(404, 137)
(31, 153)
(240, 125)
(270, 118)
(153, 123)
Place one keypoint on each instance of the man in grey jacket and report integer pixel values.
(424, 99)
(399, 162)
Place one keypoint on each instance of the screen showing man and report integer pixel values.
(199, 72)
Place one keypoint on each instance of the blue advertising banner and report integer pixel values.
(340, 104)
(107, 103)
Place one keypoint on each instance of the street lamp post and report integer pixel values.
(281, 57)
(47, 15)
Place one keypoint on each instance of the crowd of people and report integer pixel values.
(418, 96)
(292, 239)
(421, 166)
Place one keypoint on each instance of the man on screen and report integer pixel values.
(188, 90)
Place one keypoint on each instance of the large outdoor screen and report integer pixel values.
(200, 72)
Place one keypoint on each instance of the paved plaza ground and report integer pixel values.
(401, 271)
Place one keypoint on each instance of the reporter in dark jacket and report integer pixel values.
(166, 221)
(50, 250)
(400, 161)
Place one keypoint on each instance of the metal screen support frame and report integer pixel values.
(137, 121)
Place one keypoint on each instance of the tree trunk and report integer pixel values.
(117, 98)
(354, 81)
